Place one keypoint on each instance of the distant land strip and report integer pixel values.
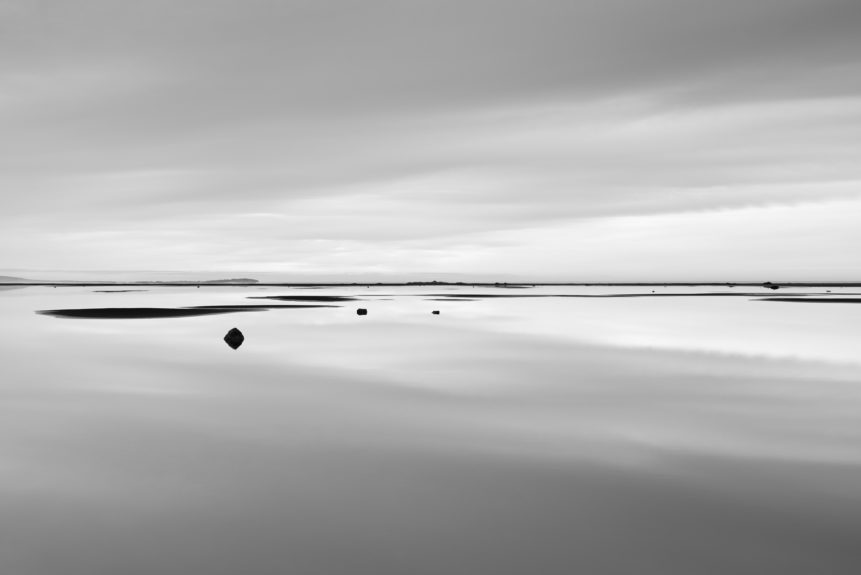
(424, 284)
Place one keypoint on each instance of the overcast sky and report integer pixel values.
(570, 139)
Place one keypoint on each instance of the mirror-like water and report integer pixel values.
(666, 434)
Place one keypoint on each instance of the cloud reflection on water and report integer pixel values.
(403, 442)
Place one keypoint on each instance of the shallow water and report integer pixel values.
(707, 434)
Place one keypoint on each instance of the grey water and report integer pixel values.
(506, 435)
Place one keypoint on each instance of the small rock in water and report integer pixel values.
(234, 338)
(770, 285)
(362, 311)
(435, 312)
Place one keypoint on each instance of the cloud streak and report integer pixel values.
(406, 137)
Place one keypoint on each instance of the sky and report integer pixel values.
(575, 140)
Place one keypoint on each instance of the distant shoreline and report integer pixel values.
(424, 284)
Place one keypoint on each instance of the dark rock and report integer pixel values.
(435, 312)
(362, 311)
(770, 285)
(234, 338)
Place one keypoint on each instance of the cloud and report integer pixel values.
(392, 125)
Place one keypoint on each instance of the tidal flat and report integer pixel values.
(548, 430)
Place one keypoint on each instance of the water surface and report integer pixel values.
(671, 434)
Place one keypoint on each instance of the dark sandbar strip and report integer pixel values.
(134, 312)
(449, 299)
(456, 297)
(330, 298)
(814, 299)
(161, 312)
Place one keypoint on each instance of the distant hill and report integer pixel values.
(11, 279)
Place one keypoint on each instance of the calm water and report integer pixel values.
(504, 436)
